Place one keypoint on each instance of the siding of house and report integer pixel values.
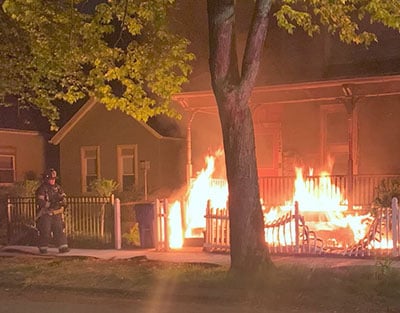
(109, 129)
(379, 135)
(29, 149)
(376, 135)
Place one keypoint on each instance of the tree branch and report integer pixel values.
(254, 45)
(223, 58)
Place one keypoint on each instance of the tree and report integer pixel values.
(232, 88)
(119, 51)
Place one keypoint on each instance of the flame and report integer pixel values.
(202, 189)
(322, 208)
(324, 211)
(175, 226)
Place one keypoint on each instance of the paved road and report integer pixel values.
(41, 302)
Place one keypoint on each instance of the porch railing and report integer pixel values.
(275, 191)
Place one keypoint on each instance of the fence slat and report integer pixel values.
(82, 219)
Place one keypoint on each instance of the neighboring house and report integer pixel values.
(97, 143)
(23, 155)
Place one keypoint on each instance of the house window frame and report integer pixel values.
(337, 148)
(12, 156)
(120, 158)
(84, 150)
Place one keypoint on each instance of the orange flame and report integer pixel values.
(202, 189)
(320, 203)
(175, 226)
(324, 211)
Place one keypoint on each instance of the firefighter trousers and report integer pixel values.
(51, 224)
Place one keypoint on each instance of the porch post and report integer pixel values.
(395, 226)
(189, 170)
(350, 103)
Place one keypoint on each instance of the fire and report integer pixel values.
(324, 210)
(321, 206)
(175, 226)
(203, 188)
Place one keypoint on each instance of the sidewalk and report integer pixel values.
(191, 255)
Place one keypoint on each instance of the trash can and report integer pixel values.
(145, 217)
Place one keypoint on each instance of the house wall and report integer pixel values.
(300, 137)
(376, 142)
(379, 135)
(29, 148)
(108, 129)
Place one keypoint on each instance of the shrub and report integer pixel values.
(132, 237)
(385, 191)
(104, 187)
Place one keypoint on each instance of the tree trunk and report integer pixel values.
(232, 92)
(247, 242)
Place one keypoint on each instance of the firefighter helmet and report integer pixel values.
(50, 174)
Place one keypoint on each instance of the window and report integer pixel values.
(268, 149)
(90, 166)
(127, 167)
(7, 168)
(336, 128)
(335, 138)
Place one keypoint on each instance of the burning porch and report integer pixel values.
(343, 126)
(303, 214)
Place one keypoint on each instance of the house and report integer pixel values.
(318, 103)
(23, 155)
(308, 124)
(97, 143)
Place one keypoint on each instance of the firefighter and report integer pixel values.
(51, 203)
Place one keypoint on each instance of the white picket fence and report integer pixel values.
(290, 234)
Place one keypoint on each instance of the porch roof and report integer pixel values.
(326, 92)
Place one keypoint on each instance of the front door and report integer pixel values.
(268, 149)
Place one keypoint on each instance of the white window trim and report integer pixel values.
(84, 164)
(13, 167)
(119, 164)
(340, 148)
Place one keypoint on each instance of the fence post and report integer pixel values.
(395, 225)
(166, 225)
(296, 226)
(8, 220)
(117, 223)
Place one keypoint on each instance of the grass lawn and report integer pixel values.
(286, 288)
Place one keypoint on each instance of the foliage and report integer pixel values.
(383, 268)
(104, 187)
(120, 52)
(132, 237)
(340, 17)
(385, 192)
(25, 188)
